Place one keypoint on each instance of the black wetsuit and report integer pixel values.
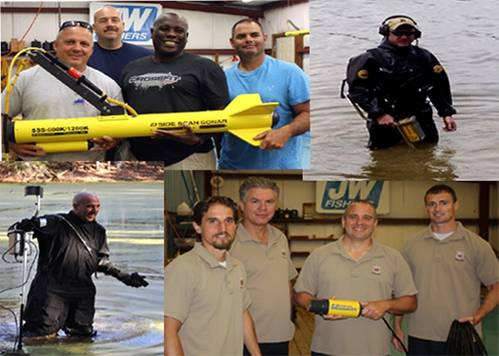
(62, 294)
(399, 81)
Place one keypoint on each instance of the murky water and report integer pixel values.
(129, 321)
(462, 34)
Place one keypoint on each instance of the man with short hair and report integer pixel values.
(264, 251)
(73, 246)
(356, 267)
(448, 263)
(111, 54)
(174, 81)
(274, 80)
(39, 95)
(206, 300)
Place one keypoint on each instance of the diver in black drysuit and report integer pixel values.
(62, 294)
(398, 80)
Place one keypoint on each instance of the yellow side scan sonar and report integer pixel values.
(245, 117)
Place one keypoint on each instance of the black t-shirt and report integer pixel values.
(187, 83)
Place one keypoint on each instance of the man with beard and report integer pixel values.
(275, 80)
(264, 251)
(395, 80)
(72, 246)
(448, 262)
(111, 54)
(174, 81)
(206, 300)
(356, 267)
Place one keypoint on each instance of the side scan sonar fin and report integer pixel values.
(247, 135)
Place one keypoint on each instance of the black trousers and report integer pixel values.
(271, 348)
(48, 312)
(425, 347)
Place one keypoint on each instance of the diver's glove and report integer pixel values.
(133, 280)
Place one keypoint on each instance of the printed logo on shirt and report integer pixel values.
(154, 80)
(459, 256)
(376, 270)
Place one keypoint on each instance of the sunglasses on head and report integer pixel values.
(73, 23)
(404, 33)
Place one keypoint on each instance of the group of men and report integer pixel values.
(169, 80)
(233, 293)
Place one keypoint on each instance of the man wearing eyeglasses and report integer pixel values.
(39, 95)
(395, 80)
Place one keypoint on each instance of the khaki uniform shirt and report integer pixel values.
(447, 274)
(380, 274)
(209, 300)
(269, 269)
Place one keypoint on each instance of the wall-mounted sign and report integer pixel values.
(138, 18)
(334, 196)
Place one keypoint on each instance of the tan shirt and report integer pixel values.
(269, 269)
(447, 274)
(209, 301)
(380, 274)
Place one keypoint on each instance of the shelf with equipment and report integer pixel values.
(305, 235)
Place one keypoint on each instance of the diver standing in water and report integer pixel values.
(73, 246)
(395, 80)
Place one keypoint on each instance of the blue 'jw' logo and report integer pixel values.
(139, 20)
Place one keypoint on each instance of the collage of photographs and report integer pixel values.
(249, 177)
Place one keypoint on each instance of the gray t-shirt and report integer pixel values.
(37, 95)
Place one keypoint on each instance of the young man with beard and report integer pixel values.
(275, 80)
(448, 262)
(206, 300)
(356, 267)
(264, 251)
(174, 81)
(73, 246)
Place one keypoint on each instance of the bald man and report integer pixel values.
(111, 54)
(38, 95)
(73, 246)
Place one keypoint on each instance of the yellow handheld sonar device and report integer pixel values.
(411, 129)
(345, 308)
